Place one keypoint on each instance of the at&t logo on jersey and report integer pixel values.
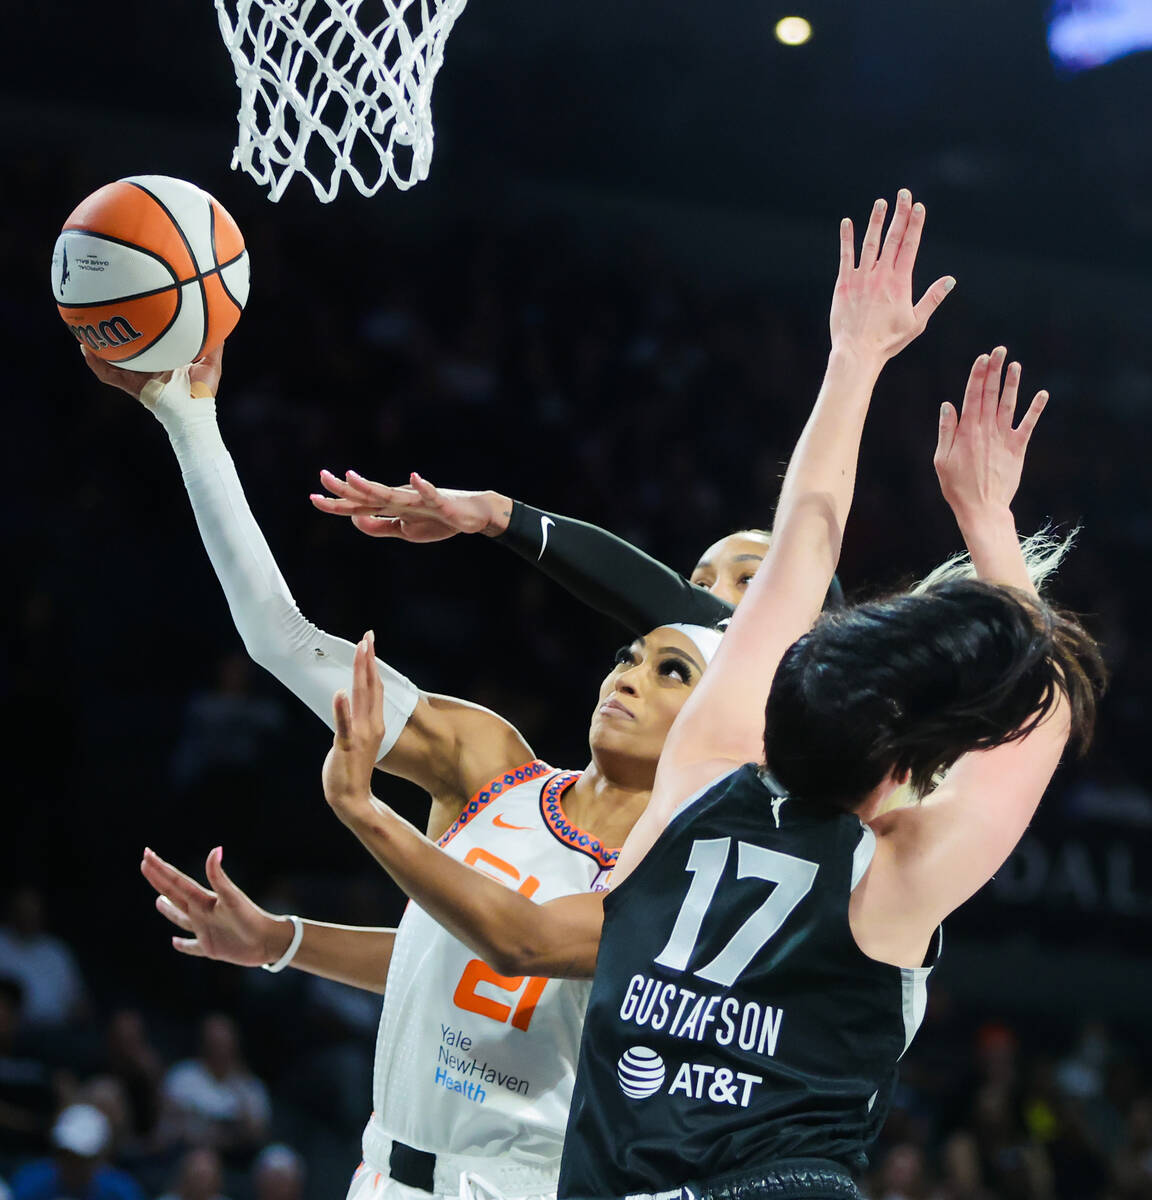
(642, 1073)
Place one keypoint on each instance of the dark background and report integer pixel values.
(609, 299)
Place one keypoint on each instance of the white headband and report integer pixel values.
(706, 640)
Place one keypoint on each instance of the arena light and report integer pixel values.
(793, 31)
(1089, 33)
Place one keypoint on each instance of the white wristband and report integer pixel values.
(293, 946)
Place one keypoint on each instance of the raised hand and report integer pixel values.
(359, 725)
(225, 923)
(979, 456)
(872, 309)
(419, 512)
(203, 374)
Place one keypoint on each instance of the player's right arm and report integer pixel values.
(601, 570)
(505, 928)
(448, 747)
(227, 925)
(872, 318)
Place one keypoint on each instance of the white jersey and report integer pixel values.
(470, 1063)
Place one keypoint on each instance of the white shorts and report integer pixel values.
(368, 1184)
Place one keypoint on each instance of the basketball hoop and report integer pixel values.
(328, 87)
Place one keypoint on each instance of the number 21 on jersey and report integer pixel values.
(792, 876)
(518, 994)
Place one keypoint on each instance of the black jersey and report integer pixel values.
(733, 1020)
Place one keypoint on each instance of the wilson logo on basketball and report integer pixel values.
(116, 332)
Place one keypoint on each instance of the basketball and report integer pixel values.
(150, 273)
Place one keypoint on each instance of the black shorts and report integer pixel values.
(785, 1179)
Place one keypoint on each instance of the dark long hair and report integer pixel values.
(912, 682)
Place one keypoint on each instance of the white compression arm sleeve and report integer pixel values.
(308, 661)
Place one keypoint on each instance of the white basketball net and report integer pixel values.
(324, 79)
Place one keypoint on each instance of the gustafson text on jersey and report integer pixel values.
(460, 1071)
(694, 1016)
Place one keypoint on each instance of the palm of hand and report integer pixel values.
(416, 512)
(223, 923)
(424, 527)
(876, 312)
(205, 370)
(980, 456)
(981, 465)
(418, 527)
(872, 308)
(359, 724)
(336, 775)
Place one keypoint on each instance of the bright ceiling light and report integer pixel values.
(793, 31)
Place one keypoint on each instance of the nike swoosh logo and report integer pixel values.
(498, 821)
(544, 523)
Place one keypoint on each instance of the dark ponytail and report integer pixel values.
(910, 683)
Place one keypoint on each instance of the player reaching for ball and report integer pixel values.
(601, 570)
(762, 956)
(598, 568)
(474, 1068)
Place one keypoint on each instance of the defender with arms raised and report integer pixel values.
(763, 952)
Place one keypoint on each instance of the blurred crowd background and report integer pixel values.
(610, 300)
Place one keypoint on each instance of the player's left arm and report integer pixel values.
(872, 319)
(277, 636)
(446, 746)
(931, 857)
(601, 570)
(509, 931)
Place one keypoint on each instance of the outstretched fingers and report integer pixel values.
(177, 916)
(897, 228)
(990, 401)
(1006, 410)
(181, 889)
(910, 245)
(356, 496)
(847, 248)
(343, 501)
(379, 495)
(428, 492)
(870, 250)
(336, 485)
(367, 690)
(336, 508)
(946, 433)
(1031, 417)
(932, 299)
(378, 526)
(220, 880)
(342, 718)
(974, 389)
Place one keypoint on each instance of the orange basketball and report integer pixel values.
(150, 273)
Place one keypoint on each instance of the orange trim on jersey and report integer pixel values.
(488, 793)
(563, 830)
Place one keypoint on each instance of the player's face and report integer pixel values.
(647, 687)
(726, 568)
